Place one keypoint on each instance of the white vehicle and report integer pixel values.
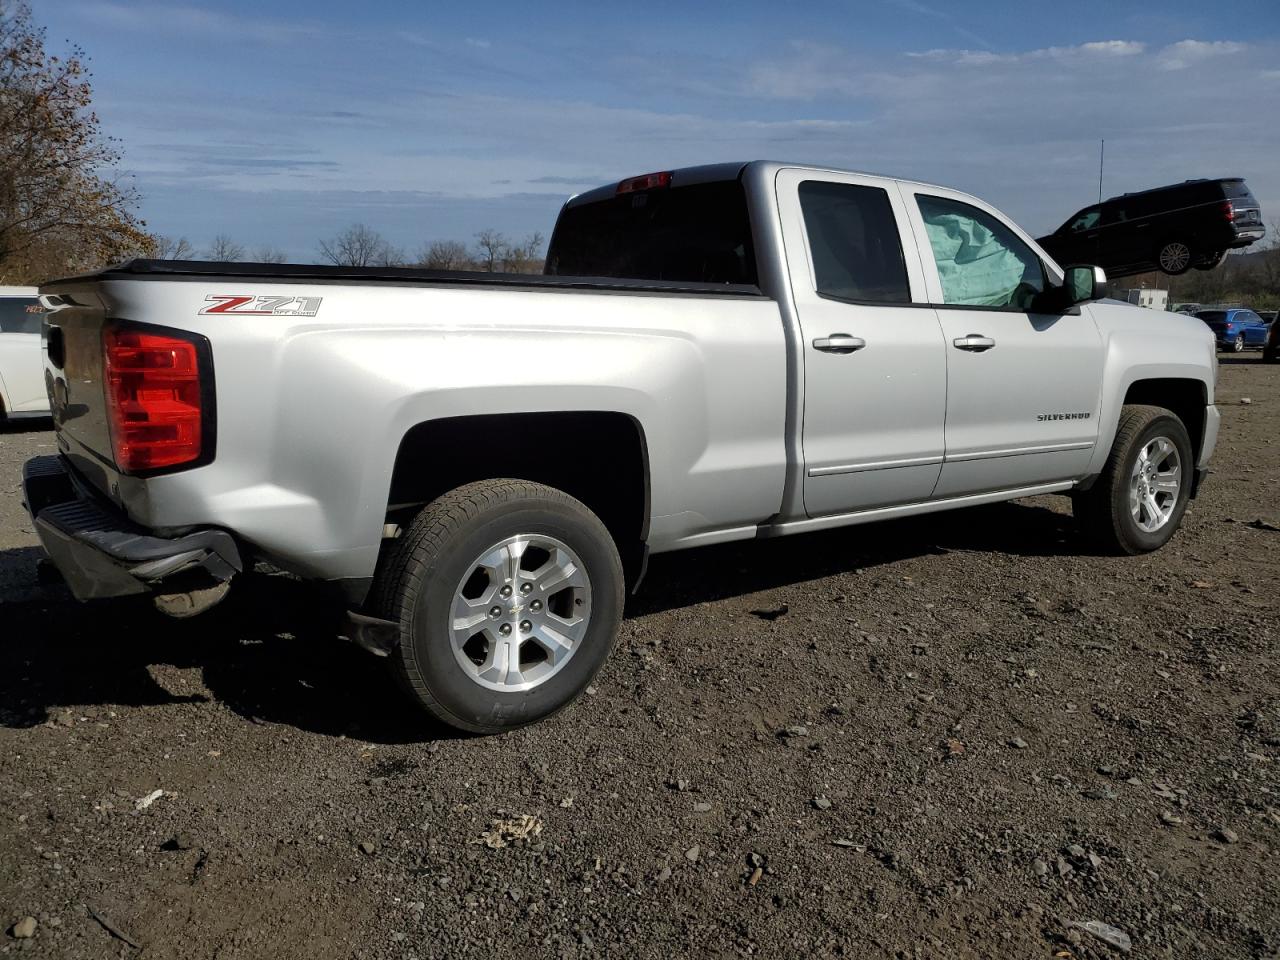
(482, 463)
(22, 389)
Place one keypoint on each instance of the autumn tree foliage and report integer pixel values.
(64, 208)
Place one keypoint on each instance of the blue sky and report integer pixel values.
(279, 123)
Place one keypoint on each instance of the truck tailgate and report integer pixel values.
(74, 378)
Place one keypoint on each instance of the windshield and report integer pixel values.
(698, 233)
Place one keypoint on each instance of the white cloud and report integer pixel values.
(1184, 53)
(1080, 52)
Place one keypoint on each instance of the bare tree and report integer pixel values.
(63, 208)
(225, 250)
(169, 248)
(492, 249)
(444, 255)
(389, 256)
(525, 256)
(357, 246)
(270, 254)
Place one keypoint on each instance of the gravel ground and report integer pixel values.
(964, 735)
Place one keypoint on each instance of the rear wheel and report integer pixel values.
(1237, 345)
(1213, 261)
(1138, 501)
(1174, 257)
(508, 595)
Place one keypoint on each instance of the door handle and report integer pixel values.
(839, 343)
(974, 341)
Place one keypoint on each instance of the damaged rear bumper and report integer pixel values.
(101, 553)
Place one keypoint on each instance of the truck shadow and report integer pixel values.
(714, 573)
(272, 654)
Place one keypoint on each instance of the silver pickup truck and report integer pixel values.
(482, 463)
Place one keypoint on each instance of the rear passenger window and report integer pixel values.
(20, 315)
(853, 238)
(981, 262)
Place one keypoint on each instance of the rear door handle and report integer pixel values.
(839, 343)
(974, 341)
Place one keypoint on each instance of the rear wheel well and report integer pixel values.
(1186, 398)
(599, 458)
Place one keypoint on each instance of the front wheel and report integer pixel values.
(1138, 501)
(508, 595)
(1174, 257)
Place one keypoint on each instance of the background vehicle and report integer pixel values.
(479, 462)
(1236, 329)
(22, 389)
(1190, 308)
(1173, 228)
(1271, 348)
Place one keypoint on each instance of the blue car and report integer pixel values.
(1236, 329)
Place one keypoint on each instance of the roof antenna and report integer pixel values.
(1102, 156)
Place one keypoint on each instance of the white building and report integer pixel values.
(1155, 299)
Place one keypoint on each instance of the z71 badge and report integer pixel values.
(263, 306)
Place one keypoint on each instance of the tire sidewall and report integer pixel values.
(1136, 538)
(476, 706)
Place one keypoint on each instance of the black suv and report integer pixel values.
(1173, 228)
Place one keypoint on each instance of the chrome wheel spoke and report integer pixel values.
(557, 646)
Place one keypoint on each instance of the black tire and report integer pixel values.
(1270, 355)
(1212, 261)
(421, 570)
(1237, 345)
(1103, 511)
(1175, 257)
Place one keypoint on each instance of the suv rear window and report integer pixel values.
(20, 315)
(699, 233)
(1237, 190)
(1213, 316)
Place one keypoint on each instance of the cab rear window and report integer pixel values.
(700, 233)
(20, 315)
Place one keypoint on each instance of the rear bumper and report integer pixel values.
(101, 553)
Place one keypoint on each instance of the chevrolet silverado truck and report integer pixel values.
(482, 463)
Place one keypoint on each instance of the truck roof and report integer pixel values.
(712, 172)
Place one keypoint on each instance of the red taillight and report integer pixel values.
(154, 404)
(649, 181)
(1228, 210)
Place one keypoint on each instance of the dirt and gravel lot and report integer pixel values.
(964, 734)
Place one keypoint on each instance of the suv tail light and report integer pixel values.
(158, 409)
(1228, 211)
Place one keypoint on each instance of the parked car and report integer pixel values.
(1191, 308)
(482, 463)
(1271, 348)
(1173, 228)
(1236, 329)
(22, 389)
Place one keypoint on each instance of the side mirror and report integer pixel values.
(1082, 284)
